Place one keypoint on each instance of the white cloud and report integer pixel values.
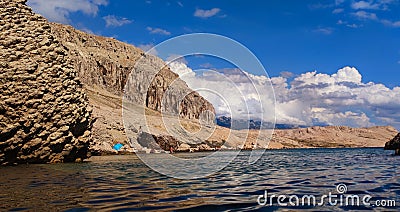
(365, 15)
(158, 31)
(59, 10)
(372, 5)
(364, 5)
(312, 98)
(206, 13)
(113, 21)
(348, 74)
(360, 13)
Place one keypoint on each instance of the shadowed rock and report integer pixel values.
(161, 142)
(394, 144)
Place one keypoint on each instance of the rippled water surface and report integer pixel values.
(125, 183)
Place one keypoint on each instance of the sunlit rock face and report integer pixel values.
(110, 69)
(108, 64)
(44, 114)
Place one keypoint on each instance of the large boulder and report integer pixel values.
(394, 144)
(44, 115)
(158, 142)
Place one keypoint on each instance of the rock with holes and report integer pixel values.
(44, 114)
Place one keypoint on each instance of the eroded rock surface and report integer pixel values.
(106, 65)
(44, 115)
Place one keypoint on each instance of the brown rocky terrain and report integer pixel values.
(44, 114)
(107, 67)
(333, 136)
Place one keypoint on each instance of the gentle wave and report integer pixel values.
(125, 183)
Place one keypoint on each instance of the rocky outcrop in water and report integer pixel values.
(44, 115)
(394, 144)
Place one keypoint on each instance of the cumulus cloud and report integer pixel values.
(206, 13)
(59, 10)
(311, 98)
(114, 21)
(158, 31)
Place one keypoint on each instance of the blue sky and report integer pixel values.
(291, 38)
(295, 36)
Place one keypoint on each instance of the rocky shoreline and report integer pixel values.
(61, 100)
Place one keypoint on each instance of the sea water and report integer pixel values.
(120, 183)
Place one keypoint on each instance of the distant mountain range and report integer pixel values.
(227, 122)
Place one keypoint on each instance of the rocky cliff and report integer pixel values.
(44, 115)
(394, 144)
(107, 63)
(107, 67)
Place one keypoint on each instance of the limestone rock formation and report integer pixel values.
(44, 115)
(105, 65)
(394, 144)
